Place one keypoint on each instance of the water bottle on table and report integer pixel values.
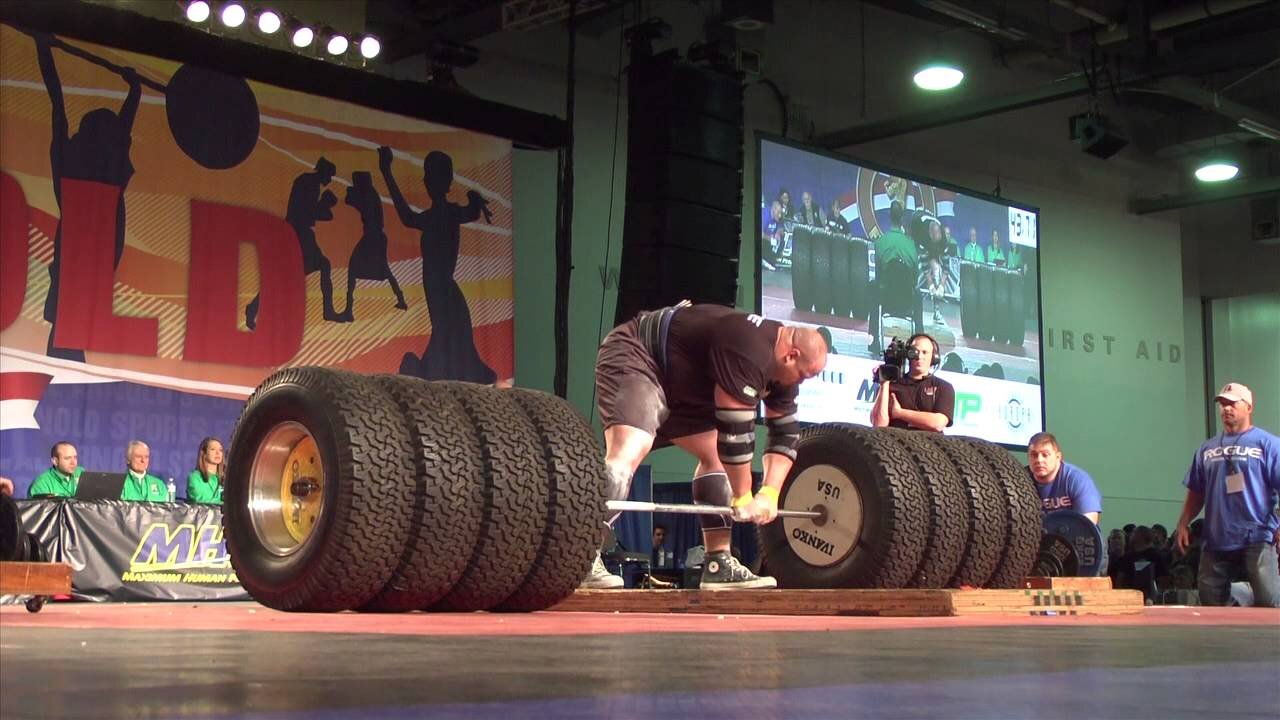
(173, 491)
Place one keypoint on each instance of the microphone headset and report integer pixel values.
(934, 361)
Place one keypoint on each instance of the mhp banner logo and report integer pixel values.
(182, 553)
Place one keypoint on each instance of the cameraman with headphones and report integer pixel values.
(918, 400)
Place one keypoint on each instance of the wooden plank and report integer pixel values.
(886, 603)
(1067, 583)
(22, 578)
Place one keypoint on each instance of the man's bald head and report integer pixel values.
(801, 354)
(813, 349)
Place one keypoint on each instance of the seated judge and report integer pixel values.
(204, 484)
(140, 485)
(63, 475)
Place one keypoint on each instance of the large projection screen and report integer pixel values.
(974, 284)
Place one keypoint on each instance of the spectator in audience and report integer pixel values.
(662, 557)
(1115, 543)
(772, 233)
(1142, 565)
(808, 212)
(140, 485)
(61, 479)
(835, 221)
(204, 484)
(784, 199)
(1235, 479)
(1062, 486)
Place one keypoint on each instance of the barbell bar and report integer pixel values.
(637, 506)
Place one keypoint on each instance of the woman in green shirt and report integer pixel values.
(204, 484)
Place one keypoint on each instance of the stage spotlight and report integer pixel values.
(197, 11)
(232, 15)
(302, 36)
(267, 21)
(336, 44)
(370, 47)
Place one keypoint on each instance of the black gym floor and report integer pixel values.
(240, 660)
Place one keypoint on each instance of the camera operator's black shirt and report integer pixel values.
(928, 394)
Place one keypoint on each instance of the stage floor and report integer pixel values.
(240, 660)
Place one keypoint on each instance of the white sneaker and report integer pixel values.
(599, 578)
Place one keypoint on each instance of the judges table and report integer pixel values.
(136, 551)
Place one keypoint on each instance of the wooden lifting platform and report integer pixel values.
(1039, 596)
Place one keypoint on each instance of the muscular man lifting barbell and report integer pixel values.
(691, 376)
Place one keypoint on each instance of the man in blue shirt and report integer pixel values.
(1062, 486)
(1235, 479)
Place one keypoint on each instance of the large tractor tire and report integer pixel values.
(822, 280)
(802, 243)
(842, 290)
(983, 498)
(574, 463)
(951, 517)
(1021, 505)
(319, 495)
(876, 508)
(448, 503)
(515, 492)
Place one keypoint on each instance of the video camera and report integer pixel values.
(897, 362)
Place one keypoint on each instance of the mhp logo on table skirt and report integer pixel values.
(182, 553)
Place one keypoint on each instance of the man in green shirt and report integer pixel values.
(892, 246)
(140, 485)
(1015, 257)
(972, 250)
(61, 478)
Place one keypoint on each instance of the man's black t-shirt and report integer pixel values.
(928, 394)
(710, 345)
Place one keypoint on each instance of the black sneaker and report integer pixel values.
(722, 571)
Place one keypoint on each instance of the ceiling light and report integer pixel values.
(232, 15)
(936, 76)
(302, 36)
(337, 44)
(370, 47)
(1217, 171)
(268, 21)
(197, 11)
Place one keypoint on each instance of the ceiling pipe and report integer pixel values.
(1251, 119)
(1182, 15)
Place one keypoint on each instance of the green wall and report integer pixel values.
(1246, 349)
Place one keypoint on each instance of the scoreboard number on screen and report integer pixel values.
(1022, 227)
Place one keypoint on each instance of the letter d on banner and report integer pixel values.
(13, 250)
(213, 307)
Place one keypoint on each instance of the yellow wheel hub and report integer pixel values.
(301, 489)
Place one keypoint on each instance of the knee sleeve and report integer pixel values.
(619, 487)
(713, 489)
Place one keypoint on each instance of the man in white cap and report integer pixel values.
(1235, 478)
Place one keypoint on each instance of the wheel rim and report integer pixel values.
(286, 488)
(827, 540)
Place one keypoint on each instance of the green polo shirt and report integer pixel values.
(973, 252)
(895, 245)
(146, 488)
(200, 490)
(1015, 258)
(55, 482)
(995, 256)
